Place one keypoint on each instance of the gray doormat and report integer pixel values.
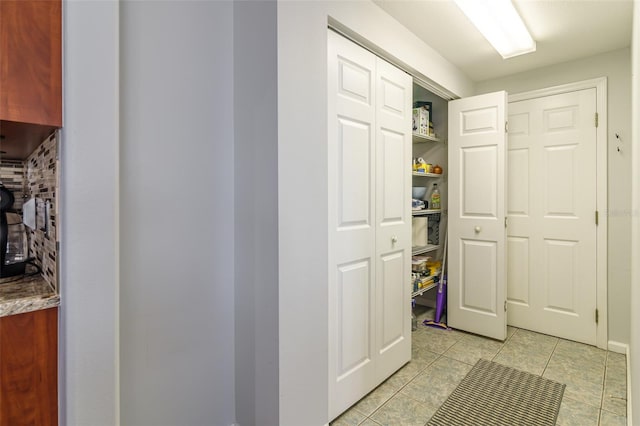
(492, 394)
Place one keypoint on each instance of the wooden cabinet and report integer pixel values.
(28, 368)
(30, 70)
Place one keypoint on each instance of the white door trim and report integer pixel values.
(600, 84)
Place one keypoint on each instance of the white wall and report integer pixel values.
(302, 181)
(634, 404)
(178, 232)
(89, 205)
(616, 67)
(256, 214)
(176, 303)
(302, 213)
(177, 214)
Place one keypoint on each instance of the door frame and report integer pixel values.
(600, 84)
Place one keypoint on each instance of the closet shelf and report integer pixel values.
(423, 249)
(425, 212)
(431, 175)
(423, 290)
(418, 138)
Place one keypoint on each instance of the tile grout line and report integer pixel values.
(504, 344)
(399, 389)
(604, 379)
(550, 356)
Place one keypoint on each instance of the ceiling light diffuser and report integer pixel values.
(500, 24)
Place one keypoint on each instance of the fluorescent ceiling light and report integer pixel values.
(500, 24)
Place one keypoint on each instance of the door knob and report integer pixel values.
(394, 239)
(477, 229)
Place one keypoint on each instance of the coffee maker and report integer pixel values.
(13, 237)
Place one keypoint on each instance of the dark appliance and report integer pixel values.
(13, 238)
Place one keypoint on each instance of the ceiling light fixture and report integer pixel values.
(500, 24)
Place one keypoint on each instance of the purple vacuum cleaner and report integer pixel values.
(441, 299)
(441, 296)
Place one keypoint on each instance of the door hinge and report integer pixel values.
(596, 119)
(596, 316)
(505, 306)
(506, 127)
(505, 221)
(597, 218)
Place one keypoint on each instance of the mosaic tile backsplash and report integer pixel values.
(37, 177)
(12, 174)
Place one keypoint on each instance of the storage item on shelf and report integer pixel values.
(421, 166)
(419, 263)
(425, 282)
(421, 281)
(433, 268)
(421, 120)
(433, 229)
(418, 192)
(417, 204)
(419, 231)
(437, 170)
(428, 106)
(435, 197)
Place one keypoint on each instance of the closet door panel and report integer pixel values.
(392, 314)
(392, 163)
(353, 184)
(351, 233)
(354, 317)
(393, 218)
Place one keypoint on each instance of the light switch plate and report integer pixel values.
(29, 213)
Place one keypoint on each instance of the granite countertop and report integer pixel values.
(26, 294)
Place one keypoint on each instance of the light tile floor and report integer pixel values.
(595, 379)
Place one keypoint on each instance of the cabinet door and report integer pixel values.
(28, 368)
(477, 228)
(30, 62)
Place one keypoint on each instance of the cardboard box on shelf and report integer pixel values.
(419, 228)
(421, 118)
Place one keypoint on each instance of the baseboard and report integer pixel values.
(623, 348)
(629, 414)
(617, 347)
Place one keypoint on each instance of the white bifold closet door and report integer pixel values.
(476, 299)
(369, 221)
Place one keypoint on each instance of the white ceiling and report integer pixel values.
(563, 29)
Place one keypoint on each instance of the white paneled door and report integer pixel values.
(551, 208)
(394, 97)
(369, 159)
(476, 235)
